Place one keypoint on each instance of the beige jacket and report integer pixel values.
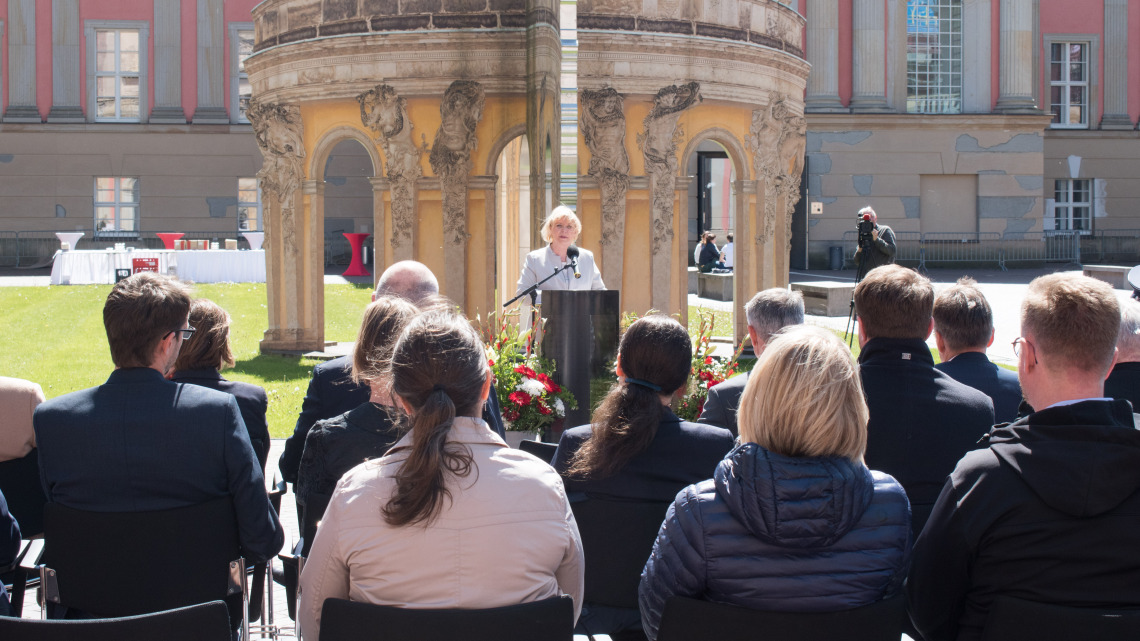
(507, 536)
(18, 400)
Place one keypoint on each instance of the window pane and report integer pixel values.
(105, 218)
(128, 40)
(1077, 71)
(128, 190)
(1076, 52)
(130, 86)
(127, 218)
(129, 62)
(104, 183)
(1055, 71)
(104, 40)
(1057, 52)
(105, 86)
(105, 107)
(104, 62)
(129, 108)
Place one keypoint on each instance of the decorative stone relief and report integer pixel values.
(602, 119)
(278, 130)
(460, 112)
(777, 140)
(385, 112)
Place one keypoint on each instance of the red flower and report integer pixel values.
(542, 408)
(548, 383)
(525, 371)
(708, 360)
(511, 414)
(520, 398)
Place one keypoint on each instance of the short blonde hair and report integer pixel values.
(805, 398)
(1073, 320)
(557, 215)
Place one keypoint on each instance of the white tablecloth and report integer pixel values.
(200, 266)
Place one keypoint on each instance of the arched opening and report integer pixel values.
(348, 203)
(513, 216)
(712, 208)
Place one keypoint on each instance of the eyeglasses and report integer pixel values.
(187, 332)
(1017, 348)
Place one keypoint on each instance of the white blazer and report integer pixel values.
(541, 263)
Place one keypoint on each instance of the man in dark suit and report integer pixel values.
(332, 391)
(963, 329)
(922, 421)
(142, 443)
(1123, 381)
(767, 312)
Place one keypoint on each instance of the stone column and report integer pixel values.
(1116, 66)
(823, 54)
(167, 63)
(1015, 82)
(380, 186)
(868, 44)
(65, 62)
(22, 62)
(211, 64)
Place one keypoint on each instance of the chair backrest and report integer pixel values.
(694, 620)
(1013, 619)
(312, 513)
(544, 451)
(547, 620)
(204, 622)
(128, 563)
(20, 483)
(617, 538)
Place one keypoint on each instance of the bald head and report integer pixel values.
(409, 280)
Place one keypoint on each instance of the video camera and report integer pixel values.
(866, 228)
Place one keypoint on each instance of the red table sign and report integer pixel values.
(144, 265)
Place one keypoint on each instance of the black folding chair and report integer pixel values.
(544, 451)
(1013, 619)
(22, 573)
(546, 620)
(694, 620)
(617, 538)
(204, 622)
(21, 486)
(116, 564)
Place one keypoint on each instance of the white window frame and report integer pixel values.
(118, 204)
(236, 72)
(1091, 83)
(1064, 210)
(250, 203)
(143, 29)
(952, 103)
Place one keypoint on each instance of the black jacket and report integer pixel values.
(922, 421)
(251, 399)
(723, 402)
(1049, 512)
(336, 445)
(1001, 385)
(1123, 382)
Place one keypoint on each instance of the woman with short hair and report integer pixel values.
(792, 520)
(560, 229)
(451, 517)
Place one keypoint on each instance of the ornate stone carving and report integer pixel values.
(658, 144)
(278, 130)
(602, 120)
(460, 112)
(385, 112)
(777, 141)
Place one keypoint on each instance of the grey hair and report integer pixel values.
(410, 280)
(867, 210)
(1128, 340)
(772, 309)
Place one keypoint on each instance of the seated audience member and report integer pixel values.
(767, 312)
(963, 329)
(709, 258)
(18, 400)
(1048, 510)
(451, 517)
(208, 351)
(142, 443)
(728, 252)
(1123, 381)
(336, 445)
(792, 521)
(9, 549)
(332, 391)
(637, 448)
(922, 421)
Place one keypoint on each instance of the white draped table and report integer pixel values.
(89, 267)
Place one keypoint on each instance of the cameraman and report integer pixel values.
(879, 245)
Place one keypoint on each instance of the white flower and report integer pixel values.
(559, 408)
(531, 386)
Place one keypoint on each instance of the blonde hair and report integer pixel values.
(1074, 321)
(805, 398)
(556, 215)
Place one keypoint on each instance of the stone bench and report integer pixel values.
(693, 273)
(826, 297)
(1112, 274)
(715, 286)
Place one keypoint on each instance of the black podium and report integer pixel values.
(581, 337)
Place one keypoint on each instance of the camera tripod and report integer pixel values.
(860, 272)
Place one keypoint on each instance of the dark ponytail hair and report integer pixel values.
(654, 350)
(438, 369)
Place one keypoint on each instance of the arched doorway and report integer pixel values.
(348, 205)
(513, 216)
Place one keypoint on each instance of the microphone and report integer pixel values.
(572, 254)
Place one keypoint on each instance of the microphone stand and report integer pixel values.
(532, 291)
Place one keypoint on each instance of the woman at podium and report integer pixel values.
(560, 229)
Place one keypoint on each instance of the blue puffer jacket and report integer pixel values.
(770, 532)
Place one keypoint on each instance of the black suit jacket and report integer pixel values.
(681, 453)
(1124, 383)
(332, 393)
(141, 443)
(1001, 385)
(251, 399)
(9, 549)
(723, 402)
(922, 421)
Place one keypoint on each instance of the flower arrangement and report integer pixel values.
(707, 371)
(529, 398)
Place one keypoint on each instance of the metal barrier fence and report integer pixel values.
(922, 250)
(32, 248)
